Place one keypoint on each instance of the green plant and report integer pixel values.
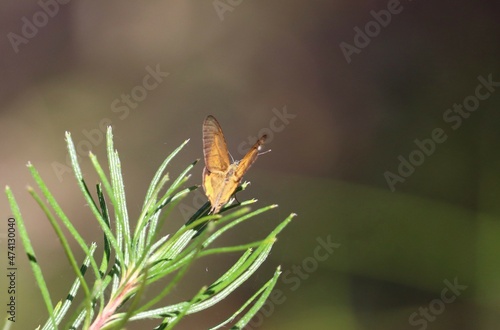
(134, 259)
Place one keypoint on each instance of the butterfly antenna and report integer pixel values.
(264, 152)
(232, 158)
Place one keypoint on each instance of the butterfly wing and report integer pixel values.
(217, 163)
(214, 146)
(249, 158)
(212, 185)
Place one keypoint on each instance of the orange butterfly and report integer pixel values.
(220, 177)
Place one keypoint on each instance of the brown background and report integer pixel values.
(352, 121)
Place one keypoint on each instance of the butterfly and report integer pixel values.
(220, 176)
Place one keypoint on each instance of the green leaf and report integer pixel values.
(132, 261)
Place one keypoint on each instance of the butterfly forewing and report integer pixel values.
(249, 158)
(214, 146)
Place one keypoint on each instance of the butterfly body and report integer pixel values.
(220, 176)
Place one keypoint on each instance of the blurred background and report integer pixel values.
(383, 119)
